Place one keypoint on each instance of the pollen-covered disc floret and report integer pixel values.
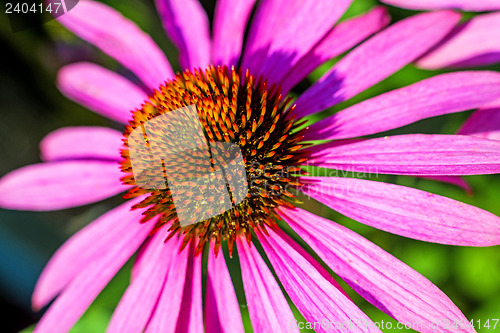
(232, 108)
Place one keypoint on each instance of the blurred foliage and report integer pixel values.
(31, 107)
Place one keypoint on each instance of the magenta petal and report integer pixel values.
(454, 180)
(100, 90)
(60, 185)
(382, 279)
(186, 23)
(146, 287)
(84, 248)
(84, 142)
(267, 305)
(120, 38)
(230, 21)
(222, 310)
(341, 38)
(374, 60)
(407, 211)
(484, 122)
(438, 95)
(99, 268)
(467, 5)
(312, 294)
(283, 31)
(473, 43)
(414, 154)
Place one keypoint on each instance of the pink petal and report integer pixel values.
(266, 304)
(84, 142)
(467, 5)
(84, 248)
(99, 270)
(376, 59)
(473, 43)
(230, 21)
(484, 122)
(179, 307)
(60, 185)
(341, 38)
(414, 154)
(438, 95)
(380, 278)
(120, 38)
(406, 211)
(283, 31)
(191, 312)
(222, 310)
(186, 23)
(100, 90)
(314, 296)
(146, 287)
(457, 181)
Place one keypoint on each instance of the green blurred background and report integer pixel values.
(31, 107)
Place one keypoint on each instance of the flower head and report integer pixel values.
(239, 94)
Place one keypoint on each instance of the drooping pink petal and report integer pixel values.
(312, 294)
(191, 312)
(120, 38)
(230, 21)
(179, 306)
(283, 31)
(186, 24)
(467, 5)
(135, 307)
(484, 122)
(60, 185)
(374, 60)
(341, 38)
(473, 43)
(222, 310)
(406, 211)
(267, 305)
(414, 154)
(98, 271)
(380, 278)
(83, 248)
(100, 90)
(454, 180)
(83, 142)
(438, 95)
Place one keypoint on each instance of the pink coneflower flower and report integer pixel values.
(242, 100)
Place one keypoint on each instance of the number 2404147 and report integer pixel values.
(25, 8)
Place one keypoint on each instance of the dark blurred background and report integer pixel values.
(31, 107)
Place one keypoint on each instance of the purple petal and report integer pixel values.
(222, 310)
(473, 43)
(467, 5)
(314, 296)
(376, 59)
(146, 287)
(442, 94)
(100, 90)
(414, 154)
(120, 38)
(84, 248)
(60, 185)
(186, 24)
(341, 38)
(283, 31)
(484, 122)
(267, 305)
(380, 278)
(98, 271)
(406, 211)
(84, 142)
(230, 21)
